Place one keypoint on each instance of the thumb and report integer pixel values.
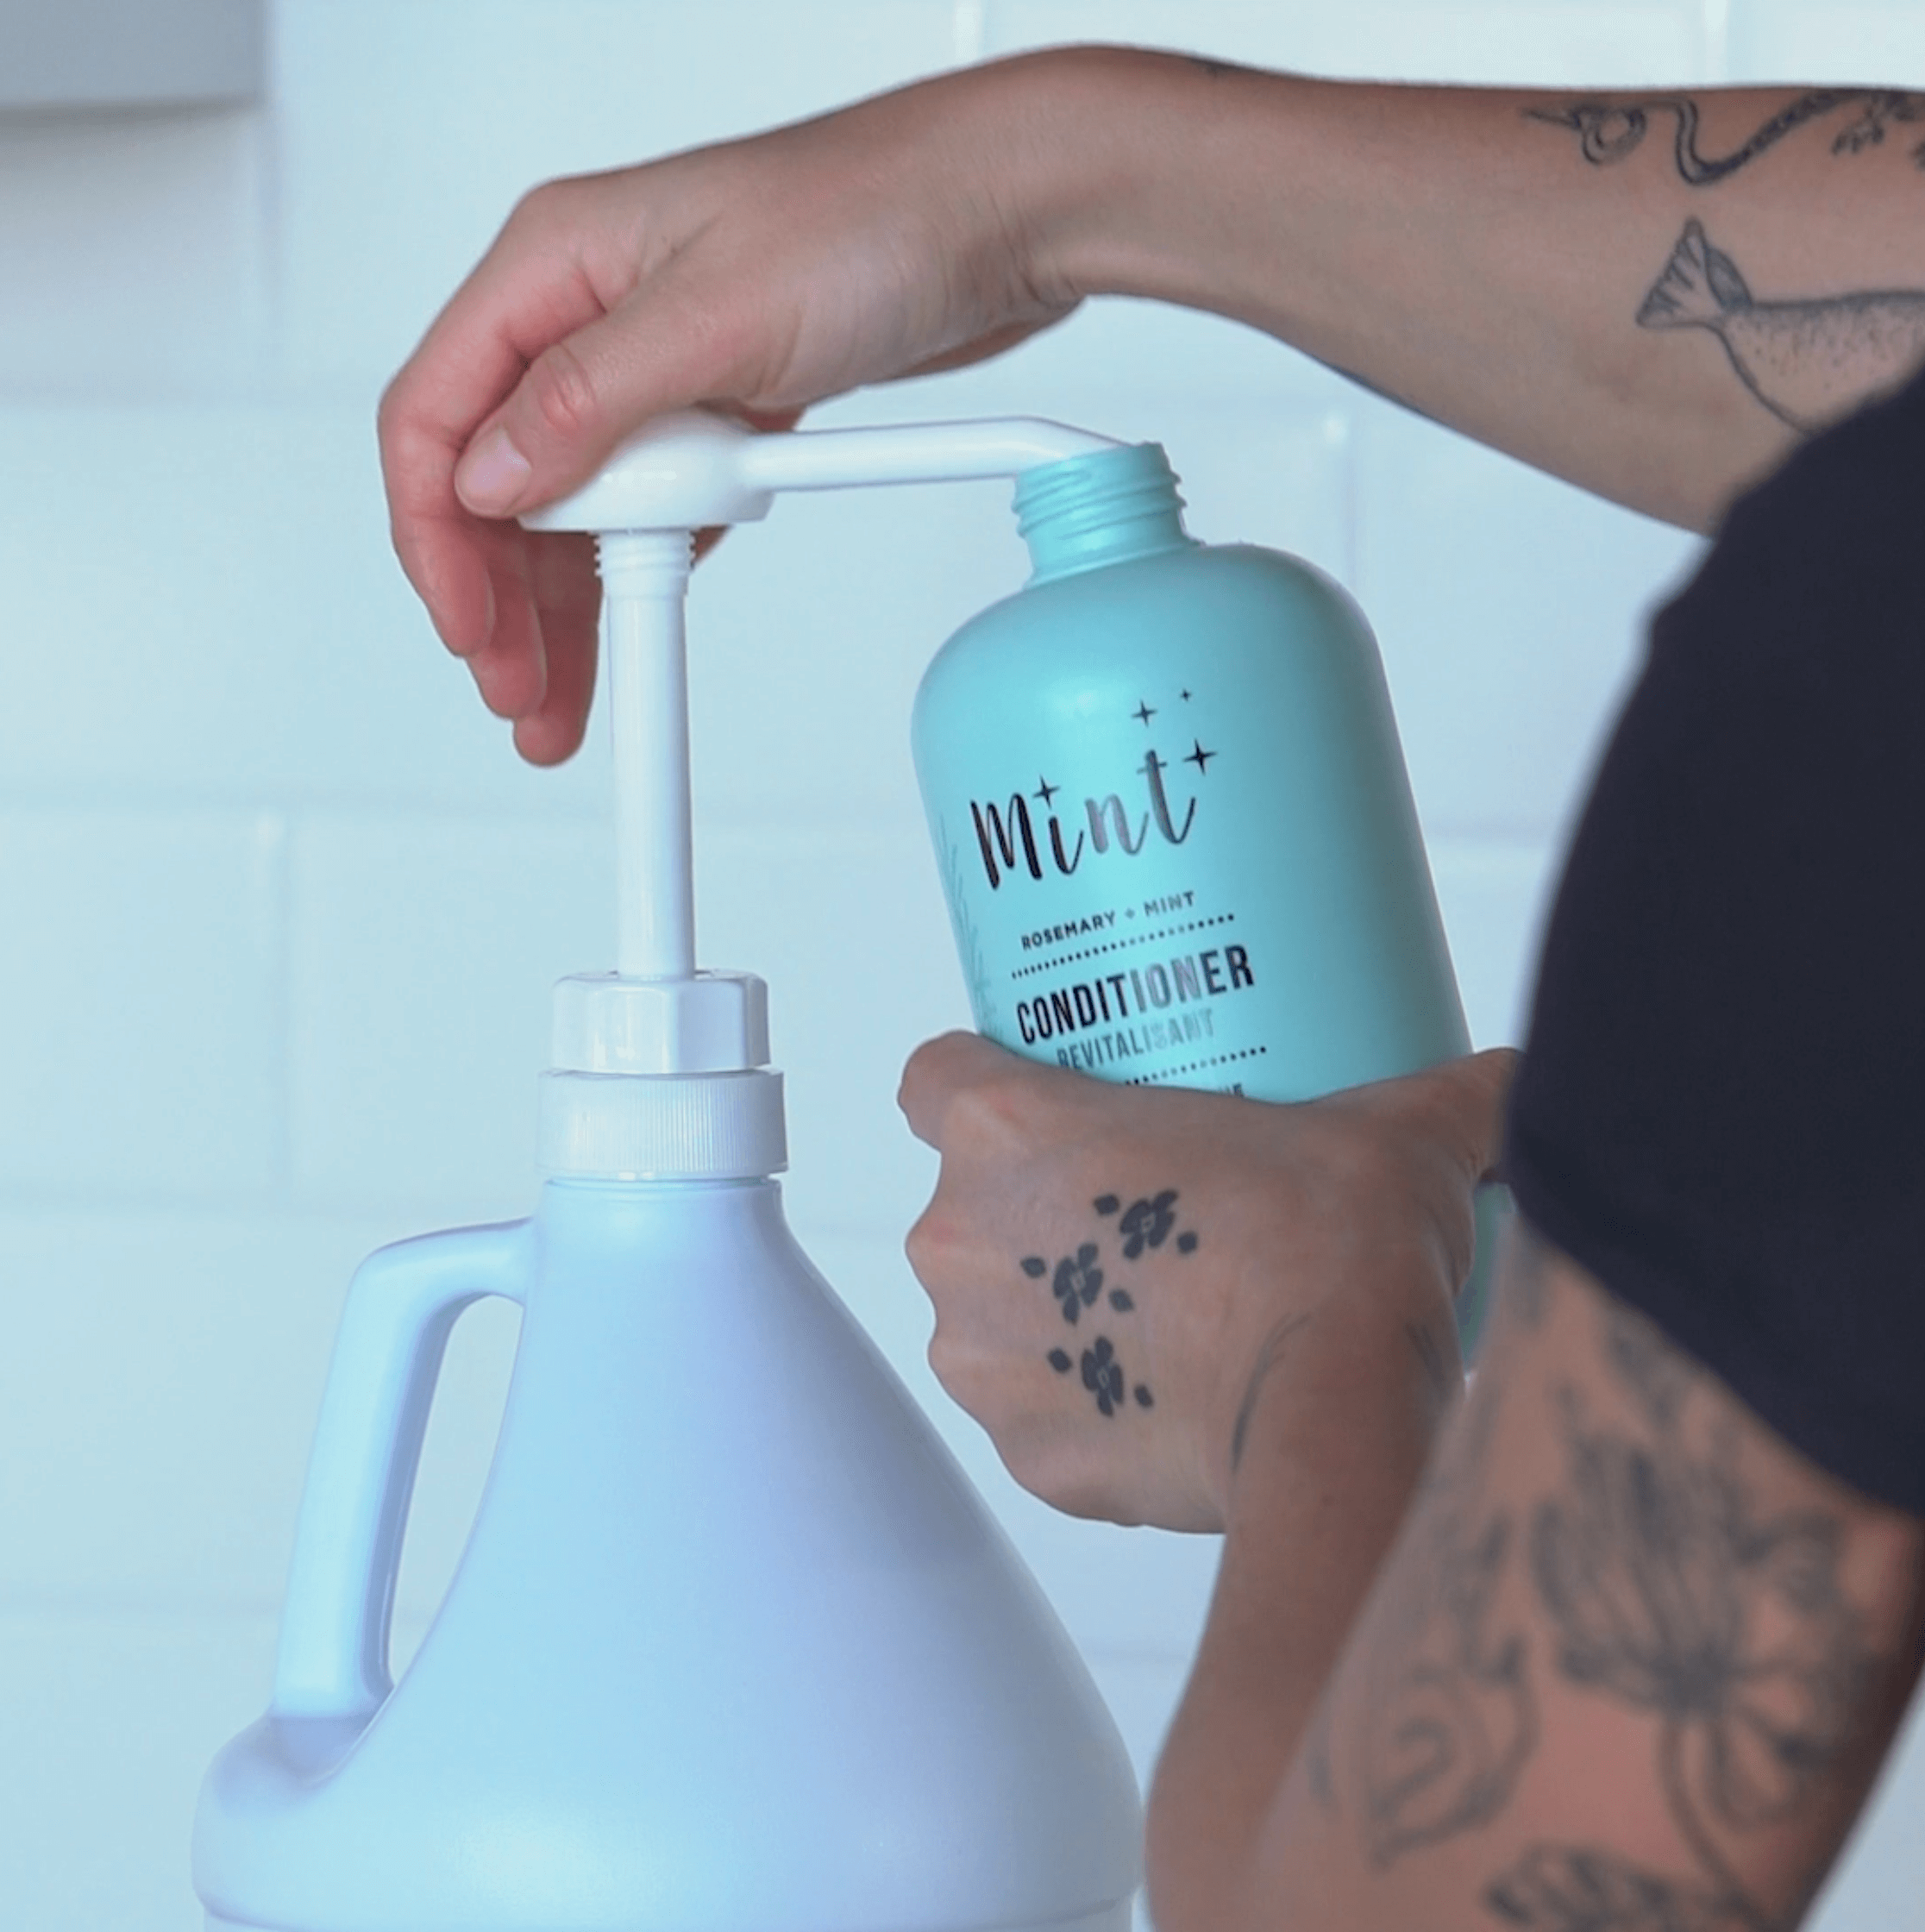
(1458, 1105)
(1477, 1089)
(941, 1068)
(581, 395)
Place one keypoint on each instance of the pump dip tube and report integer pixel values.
(733, 1646)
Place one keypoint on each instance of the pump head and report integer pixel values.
(695, 470)
(680, 472)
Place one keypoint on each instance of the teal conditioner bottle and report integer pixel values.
(1171, 809)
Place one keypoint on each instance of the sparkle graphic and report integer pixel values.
(1199, 757)
(1144, 712)
(1044, 790)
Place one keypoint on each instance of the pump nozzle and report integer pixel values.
(694, 469)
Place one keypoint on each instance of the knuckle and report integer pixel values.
(561, 392)
(993, 1112)
(1352, 1156)
(952, 1364)
(924, 1244)
(935, 1239)
(1067, 1482)
(388, 414)
(404, 441)
(542, 205)
(975, 1377)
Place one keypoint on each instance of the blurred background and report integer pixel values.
(280, 909)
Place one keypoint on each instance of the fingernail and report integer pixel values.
(491, 478)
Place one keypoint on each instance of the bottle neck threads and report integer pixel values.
(1107, 507)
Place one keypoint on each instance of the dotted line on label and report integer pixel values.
(1195, 1066)
(1116, 946)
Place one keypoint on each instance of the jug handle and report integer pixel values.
(402, 1305)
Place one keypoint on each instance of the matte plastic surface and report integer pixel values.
(1170, 808)
(733, 1644)
(694, 469)
(644, 577)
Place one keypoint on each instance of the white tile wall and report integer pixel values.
(1881, 42)
(1510, 608)
(141, 1019)
(278, 907)
(157, 1393)
(1495, 895)
(1572, 43)
(419, 949)
(471, 93)
(208, 611)
(109, 1721)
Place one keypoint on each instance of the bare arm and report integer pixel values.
(1631, 1662)
(1591, 1651)
(1653, 297)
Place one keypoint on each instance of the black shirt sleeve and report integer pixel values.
(1720, 1112)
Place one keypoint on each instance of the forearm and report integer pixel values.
(1490, 257)
(1299, 1557)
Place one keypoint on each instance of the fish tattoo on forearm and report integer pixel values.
(1810, 361)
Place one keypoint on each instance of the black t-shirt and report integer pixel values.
(1722, 1109)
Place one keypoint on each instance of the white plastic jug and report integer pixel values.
(733, 1643)
(733, 1646)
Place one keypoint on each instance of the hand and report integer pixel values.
(887, 239)
(1115, 1270)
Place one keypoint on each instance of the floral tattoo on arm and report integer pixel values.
(1672, 1593)
(1650, 1574)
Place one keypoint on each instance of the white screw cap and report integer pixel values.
(661, 1080)
(711, 1023)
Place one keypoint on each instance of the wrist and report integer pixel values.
(1345, 1395)
(1133, 171)
(1090, 146)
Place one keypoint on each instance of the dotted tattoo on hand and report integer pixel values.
(1077, 1282)
(1146, 1223)
(1102, 1375)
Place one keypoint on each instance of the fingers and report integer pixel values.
(522, 293)
(550, 275)
(442, 550)
(1460, 1104)
(1483, 1083)
(583, 393)
(938, 1071)
(567, 595)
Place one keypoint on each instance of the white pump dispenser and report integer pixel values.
(693, 469)
(659, 1072)
(721, 1113)
(733, 1646)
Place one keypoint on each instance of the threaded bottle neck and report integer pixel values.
(1106, 507)
(644, 562)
